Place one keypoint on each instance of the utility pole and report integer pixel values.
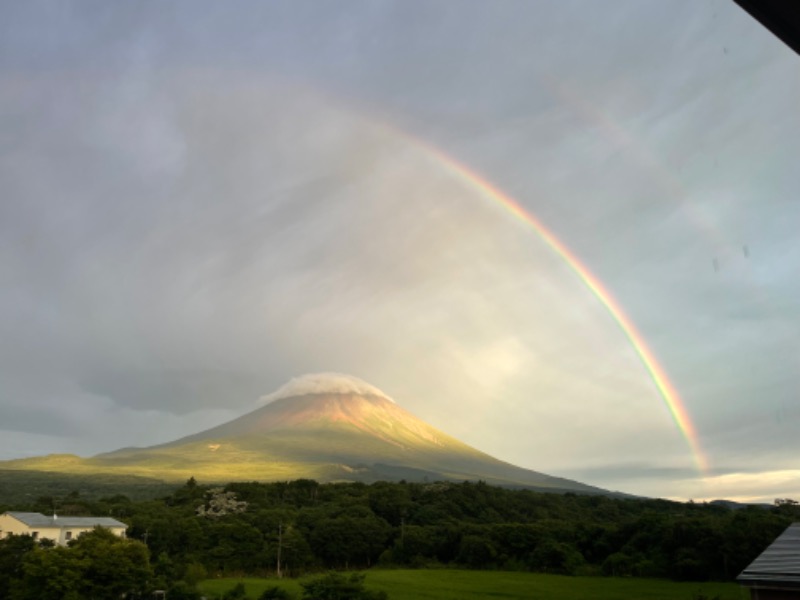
(280, 543)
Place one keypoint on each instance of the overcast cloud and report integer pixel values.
(200, 201)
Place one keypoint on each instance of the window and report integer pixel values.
(35, 535)
(68, 536)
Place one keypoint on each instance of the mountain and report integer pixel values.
(327, 427)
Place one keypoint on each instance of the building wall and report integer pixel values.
(63, 535)
(9, 525)
(60, 535)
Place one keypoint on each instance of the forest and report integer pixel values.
(302, 527)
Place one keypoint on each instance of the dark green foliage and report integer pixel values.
(344, 541)
(275, 593)
(618, 565)
(556, 557)
(97, 565)
(52, 574)
(337, 586)
(12, 553)
(194, 573)
(390, 502)
(17, 487)
(477, 552)
(237, 592)
(181, 590)
(305, 526)
(234, 545)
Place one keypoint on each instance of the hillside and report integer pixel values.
(328, 428)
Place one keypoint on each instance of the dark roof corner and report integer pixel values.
(781, 17)
(779, 565)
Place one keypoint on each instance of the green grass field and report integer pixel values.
(466, 585)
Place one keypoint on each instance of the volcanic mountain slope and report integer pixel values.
(325, 427)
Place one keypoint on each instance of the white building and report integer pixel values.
(59, 529)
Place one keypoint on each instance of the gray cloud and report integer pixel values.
(177, 392)
(200, 204)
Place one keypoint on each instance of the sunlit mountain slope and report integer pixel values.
(327, 428)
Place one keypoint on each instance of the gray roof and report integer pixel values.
(779, 563)
(32, 519)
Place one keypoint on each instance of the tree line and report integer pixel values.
(298, 527)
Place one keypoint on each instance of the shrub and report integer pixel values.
(275, 593)
(237, 592)
(337, 586)
(180, 590)
(195, 573)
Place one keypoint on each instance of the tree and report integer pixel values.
(97, 565)
(275, 593)
(220, 503)
(389, 501)
(12, 552)
(180, 590)
(346, 541)
(237, 592)
(337, 586)
(52, 574)
(116, 565)
(618, 565)
(476, 552)
(785, 502)
(234, 546)
(415, 545)
(556, 557)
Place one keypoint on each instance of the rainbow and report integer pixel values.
(665, 388)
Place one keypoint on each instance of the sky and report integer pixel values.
(201, 201)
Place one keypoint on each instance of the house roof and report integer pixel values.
(32, 519)
(779, 563)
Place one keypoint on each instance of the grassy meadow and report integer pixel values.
(446, 584)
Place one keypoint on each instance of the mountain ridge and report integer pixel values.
(349, 431)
